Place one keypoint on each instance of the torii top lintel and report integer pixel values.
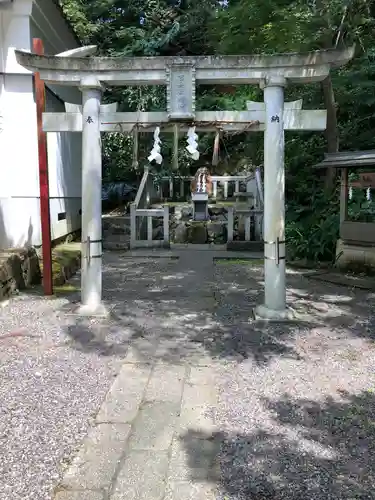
(299, 68)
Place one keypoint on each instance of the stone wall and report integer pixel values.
(22, 268)
(184, 230)
(19, 269)
(354, 256)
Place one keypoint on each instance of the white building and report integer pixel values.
(20, 22)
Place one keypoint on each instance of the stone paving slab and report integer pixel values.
(184, 490)
(166, 383)
(96, 463)
(195, 462)
(196, 409)
(154, 427)
(122, 402)
(142, 476)
(201, 375)
(80, 495)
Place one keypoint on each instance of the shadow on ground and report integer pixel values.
(165, 310)
(324, 452)
(302, 449)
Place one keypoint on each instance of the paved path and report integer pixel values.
(204, 405)
(163, 394)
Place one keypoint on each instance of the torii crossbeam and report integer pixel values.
(228, 121)
(180, 75)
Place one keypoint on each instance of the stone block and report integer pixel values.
(154, 427)
(11, 278)
(79, 495)
(195, 355)
(250, 246)
(217, 232)
(31, 274)
(201, 375)
(123, 399)
(142, 350)
(142, 476)
(180, 233)
(193, 459)
(166, 383)
(185, 490)
(19, 269)
(96, 463)
(198, 403)
(197, 233)
(354, 256)
(66, 260)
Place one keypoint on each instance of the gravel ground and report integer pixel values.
(54, 373)
(297, 407)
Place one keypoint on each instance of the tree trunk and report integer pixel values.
(332, 133)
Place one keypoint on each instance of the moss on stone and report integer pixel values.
(22, 268)
(66, 260)
(66, 288)
(197, 233)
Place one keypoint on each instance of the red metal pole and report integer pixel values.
(43, 176)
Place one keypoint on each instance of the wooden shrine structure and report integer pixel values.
(357, 213)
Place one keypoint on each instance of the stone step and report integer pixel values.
(108, 245)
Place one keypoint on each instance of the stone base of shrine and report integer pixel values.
(354, 256)
(264, 313)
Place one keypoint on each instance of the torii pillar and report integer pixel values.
(274, 306)
(91, 267)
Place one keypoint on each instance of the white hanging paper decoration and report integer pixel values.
(201, 184)
(350, 193)
(368, 194)
(204, 187)
(155, 152)
(192, 146)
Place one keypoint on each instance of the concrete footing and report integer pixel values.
(262, 312)
(98, 311)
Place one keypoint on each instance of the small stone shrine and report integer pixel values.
(201, 187)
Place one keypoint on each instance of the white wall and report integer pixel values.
(19, 184)
(64, 166)
(19, 178)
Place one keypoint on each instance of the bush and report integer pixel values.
(312, 231)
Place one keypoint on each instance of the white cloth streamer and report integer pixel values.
(155, 151)
(192, 146)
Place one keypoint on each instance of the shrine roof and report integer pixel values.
(348, 159)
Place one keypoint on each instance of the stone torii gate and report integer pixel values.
(180, 75)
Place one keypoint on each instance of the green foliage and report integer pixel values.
(312, 229)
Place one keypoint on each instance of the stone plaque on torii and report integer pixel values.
(180, 75)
